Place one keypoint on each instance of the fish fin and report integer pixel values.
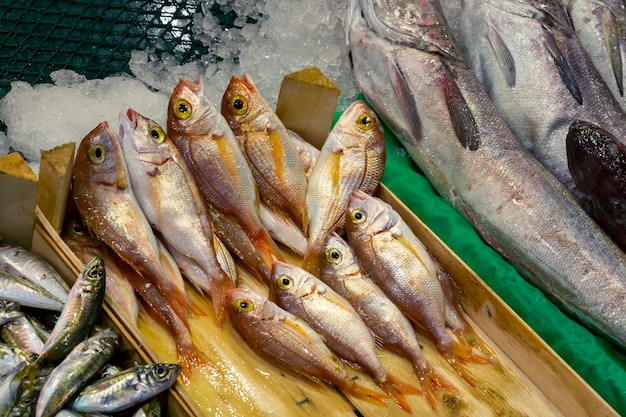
(278, 152)
(311, 261)
(612, 40)
(397, 389)
(190, 357)
(402, 90)
(362, 392)
(503, 55)
(219, 286)
(459, 355)
(565, 71)
(432, 384)
(461, 116)
(378, 341)
(267, 248)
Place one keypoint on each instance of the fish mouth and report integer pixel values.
(128, 123)
(194, 86)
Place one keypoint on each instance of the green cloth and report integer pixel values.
(597, 361)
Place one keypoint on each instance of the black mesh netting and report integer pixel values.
(92, 37)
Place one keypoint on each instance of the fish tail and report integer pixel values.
(360, 391)
(218, 294)
(266, 247)
(432, 383)
(472, 339)
(311, 261)
(397, 389)
(459, 355)
(190, 357)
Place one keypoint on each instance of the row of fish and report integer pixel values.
(423, 88)
(65, 365)
(229, 184)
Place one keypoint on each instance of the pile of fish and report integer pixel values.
(478, 120)
(55, 357)
(219, 190)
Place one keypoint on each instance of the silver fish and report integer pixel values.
(536, 72)
(78, 367)
(22, 262)
(126, 389)
(449, 126)
(18, 289)
(80, 312)
(600, 26)
(22, 332)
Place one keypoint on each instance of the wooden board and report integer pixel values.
(18, 184)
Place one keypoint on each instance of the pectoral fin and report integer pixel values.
(403, 92)
(613, 41)
(462, 118)
(502, 54)
(565, 71)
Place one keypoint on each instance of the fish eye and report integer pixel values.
(182, 109)
(77, 229)
(366, 121)
(244, 306)
(357, 216)
(334, 256)
(161, 371)
(284, 282)
(97, 154)
(238, 105)
(157, 134)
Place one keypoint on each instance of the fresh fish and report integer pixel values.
(291, 342)
(268, 148)
(404, 269)
(342, 272)
(169, 197)
(600, 26)
(79, 313)
(23, 333)
(18, 289)
(597, 162)
(188, 354)
(23, 263)
(537, 74)
(283, 229)
(126, 389)
(119, 292)
(308, 153)
(451, 129)
(11, 357)
(236, 240)
(76, 369)
(332, 316)
(353, 157)
(9, 311)
(210, 149)
(106, 202)
(9, 388)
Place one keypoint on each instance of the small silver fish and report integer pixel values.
(18, 289)
(78, 367)
(126, 389)
(24, 263)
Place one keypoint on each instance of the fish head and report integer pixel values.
(99, 160)
(143, 139)
(93, 274)
(77, 236)
(359, 126)
(247, 307)
(162, 375)
(190, 112)
(367, 215)
(242, 103)
(290, 283)
(338, 261)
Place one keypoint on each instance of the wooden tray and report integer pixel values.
(530, 381)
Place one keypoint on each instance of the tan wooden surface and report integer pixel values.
(18, 183)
